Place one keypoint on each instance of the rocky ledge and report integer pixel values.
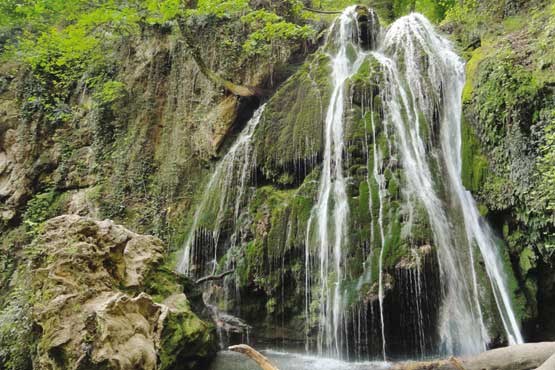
(94, 295)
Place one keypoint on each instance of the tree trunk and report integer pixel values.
(519, 357)
(322, 11)
(549, 364)
(238, 90)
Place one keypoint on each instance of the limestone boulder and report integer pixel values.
(92, 306)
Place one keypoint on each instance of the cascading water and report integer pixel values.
(431, 80)
(421, 84)
(426, 237)
(225, 193)
(331, 210)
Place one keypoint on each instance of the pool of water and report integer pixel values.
(227, 360)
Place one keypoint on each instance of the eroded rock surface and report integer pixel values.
(90, 308)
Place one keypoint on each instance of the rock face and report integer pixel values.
(90, 308)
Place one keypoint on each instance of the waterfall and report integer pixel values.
(421, 85)
(331, 210)
(412, 138)
(431, 79)
(225, 193)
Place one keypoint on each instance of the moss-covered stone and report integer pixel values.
(474, 163)
(288, 140)
(79, 302)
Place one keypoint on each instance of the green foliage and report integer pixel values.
(546, 166)
(271, 32)
(61, 56)
(40, 208)
(462, 12)
(507, 93)
(16, 331)
(221, 8)
(163, 11)
(474, 163)
(109, 92)
(435, 10)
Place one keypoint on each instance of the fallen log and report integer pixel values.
(518, 357)
(259, 358)
(549, 364)
(214, 277)
(528, 356)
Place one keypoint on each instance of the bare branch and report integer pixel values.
(214, 277)
(322, 11)
(238, 90)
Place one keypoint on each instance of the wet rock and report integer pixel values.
(369, 27)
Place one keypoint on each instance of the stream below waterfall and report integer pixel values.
(227, 360)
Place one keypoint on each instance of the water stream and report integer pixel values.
(225, 193)
(431, 79)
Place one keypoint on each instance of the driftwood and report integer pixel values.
(214, 277)
(255, 355)
(529, 356)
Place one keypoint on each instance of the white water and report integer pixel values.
(421, 75)
(433, 78)
(226, 189)
(331, 210)
(379, 178)
(428, 85)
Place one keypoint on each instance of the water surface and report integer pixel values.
(227, 360)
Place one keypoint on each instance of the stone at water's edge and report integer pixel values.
(97, 298)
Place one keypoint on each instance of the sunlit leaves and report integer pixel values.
(269, 28)
(163, 11)
(221, 8)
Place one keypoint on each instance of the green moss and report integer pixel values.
(474, 163)
(363, 201)
(162, 282)
(286, 133)
(17, 338)
(185, 339)
(527, 260)
(472, 68)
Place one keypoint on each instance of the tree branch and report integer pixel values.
(214, 277)
(322, 11)
(518, 357)
(238, 90)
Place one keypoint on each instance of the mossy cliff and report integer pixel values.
(506, 153)
(274, 287)
(509, 108)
